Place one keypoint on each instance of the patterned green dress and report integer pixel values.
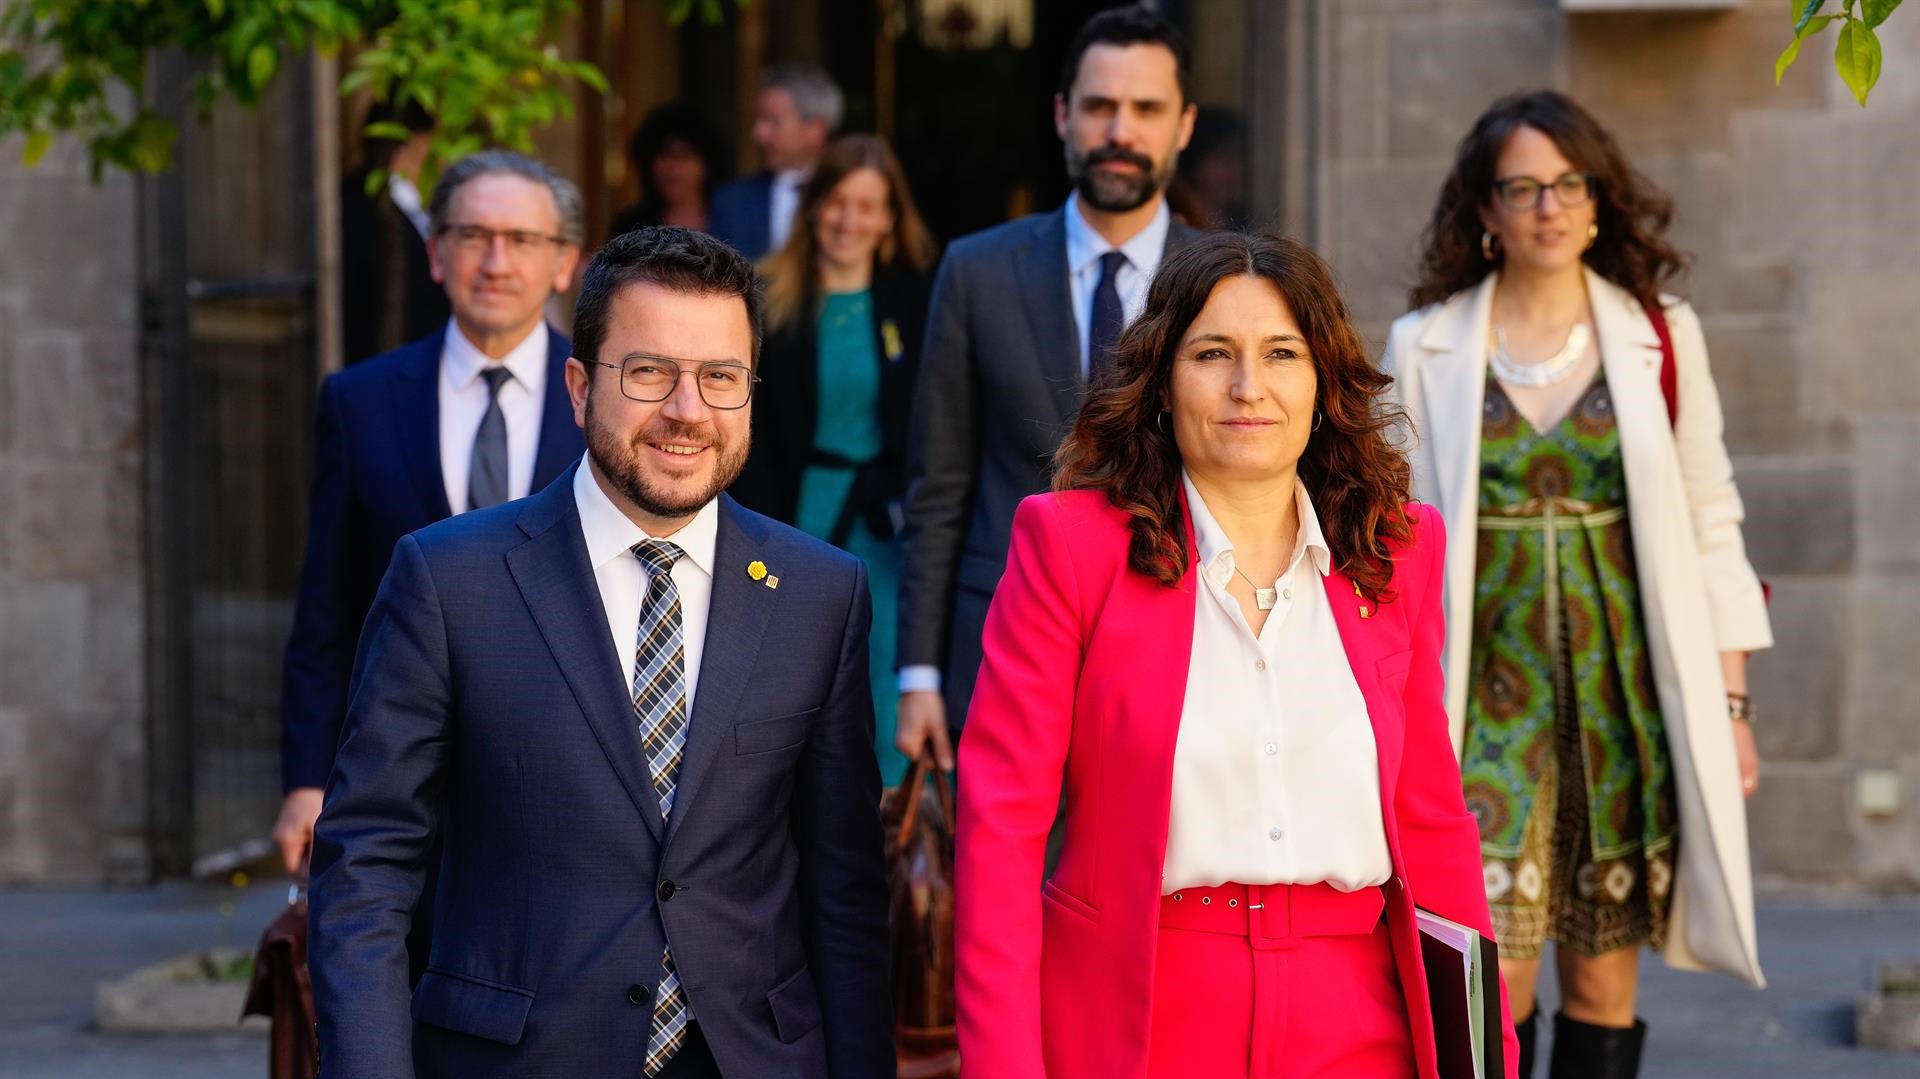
(1566, 763)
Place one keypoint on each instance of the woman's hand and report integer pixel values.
(1749, 757)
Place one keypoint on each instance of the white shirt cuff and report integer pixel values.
(920, 678)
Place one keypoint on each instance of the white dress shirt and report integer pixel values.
(782, 205)
(406, 198)
(1275, 772)
(1084, 248)
(623, 578)
(463, 401)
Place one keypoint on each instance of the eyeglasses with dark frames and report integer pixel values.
(478, 240)
(723, 384)
(1521, 194)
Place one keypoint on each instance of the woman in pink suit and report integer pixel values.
(1221, 634)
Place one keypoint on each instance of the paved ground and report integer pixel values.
(54, 947)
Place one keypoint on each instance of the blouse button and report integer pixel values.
(1273, 834)
(1286, 593)
(1259, 664)
(1272, 749)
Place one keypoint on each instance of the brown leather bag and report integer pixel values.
(282, 991)
(919, 821)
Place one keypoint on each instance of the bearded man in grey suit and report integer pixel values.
(1023, 316)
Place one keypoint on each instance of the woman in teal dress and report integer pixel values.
(846, 307)
(1600, 605)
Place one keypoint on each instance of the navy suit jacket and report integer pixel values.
(1000, 384)
(742, 213)
(489, 713)
(376, 477)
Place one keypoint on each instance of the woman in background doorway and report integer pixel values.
(679, 162)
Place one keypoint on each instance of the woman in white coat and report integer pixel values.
(1600, 606)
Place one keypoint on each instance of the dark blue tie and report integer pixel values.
(487, 474)
(1107, 316)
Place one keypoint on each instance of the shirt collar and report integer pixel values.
(1143, 250)
(611, 534)
(462, 361)
(1216, 550)
(791, 179)
(404, 193)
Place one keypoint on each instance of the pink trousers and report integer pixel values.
(1277, 982)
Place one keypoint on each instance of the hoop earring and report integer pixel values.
(1318, 418)
(1486, 246)
(1160, 421)
(1593, 233)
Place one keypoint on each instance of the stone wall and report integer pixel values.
(72, 634)
(1799, 206)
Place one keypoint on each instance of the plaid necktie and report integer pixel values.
(660, 704)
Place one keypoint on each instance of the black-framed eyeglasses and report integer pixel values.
(1523, 193)
(478, 240)
(723, 384)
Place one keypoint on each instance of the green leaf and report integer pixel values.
(1857, 58)
(261, 62)
(1875, 12)
(38, 143)
(386, 129)
(1806, 14)
(1793, 48)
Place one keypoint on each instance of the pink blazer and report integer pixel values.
(1084, 676)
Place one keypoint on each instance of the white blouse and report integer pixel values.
(1275, 774)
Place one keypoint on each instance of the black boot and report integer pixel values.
(1523, 1032)
(1584, 1051)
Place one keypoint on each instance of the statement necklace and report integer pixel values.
(1547, 371)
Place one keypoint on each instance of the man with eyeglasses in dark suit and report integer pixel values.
(473, 415)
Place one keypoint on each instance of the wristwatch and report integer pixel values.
(1740, 707)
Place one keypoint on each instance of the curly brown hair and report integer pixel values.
(1357, 478)
(1631, 212)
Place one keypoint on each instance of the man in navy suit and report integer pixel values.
(634, 720)
(797, 111)
(1023, 317)
(475, 414)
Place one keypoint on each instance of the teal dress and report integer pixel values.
(847, 427)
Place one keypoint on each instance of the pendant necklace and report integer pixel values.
(1263, 598)
(1547, 371)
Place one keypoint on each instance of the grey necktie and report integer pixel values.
(487, 475)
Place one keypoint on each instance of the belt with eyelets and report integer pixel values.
(1274, 915)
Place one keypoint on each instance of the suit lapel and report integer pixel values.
(1366, 640)
(560, 439)
(1630, 355)
(1040, 268)
(1453, 378)
(416, 419)
(736, 621)
(556, 581)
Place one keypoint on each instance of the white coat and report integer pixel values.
(1699, 594)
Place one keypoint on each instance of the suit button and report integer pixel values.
(667, 888)
(638, 994)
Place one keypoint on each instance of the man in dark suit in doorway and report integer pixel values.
(472, 415)
(636, 721)
(1022, 315)
(798, 110)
